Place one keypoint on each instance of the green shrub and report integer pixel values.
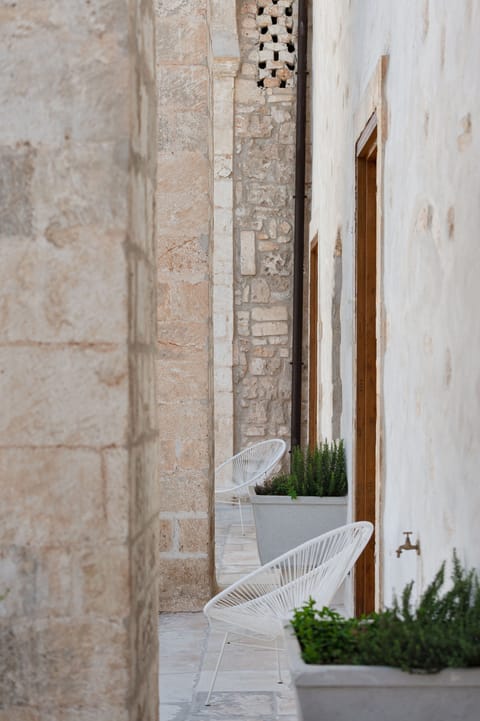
(321, 472)
(443, 631)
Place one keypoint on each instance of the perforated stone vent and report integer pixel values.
(276, 47)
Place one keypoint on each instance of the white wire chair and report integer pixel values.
(263, 601)
(252, 465)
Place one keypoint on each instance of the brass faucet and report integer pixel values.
(408, 545)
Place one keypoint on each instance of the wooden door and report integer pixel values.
(366, 359)
(313, 347)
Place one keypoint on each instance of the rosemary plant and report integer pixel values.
(318, 472)
(442, 631)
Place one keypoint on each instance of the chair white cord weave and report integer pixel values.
(262, 602)
(252, 465)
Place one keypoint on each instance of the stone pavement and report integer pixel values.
(247, 687)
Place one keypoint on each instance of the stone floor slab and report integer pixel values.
(175, 712)
(177, 687)
(236, 705)
(247, 686)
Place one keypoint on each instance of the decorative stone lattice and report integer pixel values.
(276, 48)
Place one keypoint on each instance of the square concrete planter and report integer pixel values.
(282, 522)
(380, 693)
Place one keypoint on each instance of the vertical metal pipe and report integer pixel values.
(299, 232)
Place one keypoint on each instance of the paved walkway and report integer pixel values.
(247, 687)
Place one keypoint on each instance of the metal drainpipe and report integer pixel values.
(299, 232)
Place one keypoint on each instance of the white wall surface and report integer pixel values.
(429, 293)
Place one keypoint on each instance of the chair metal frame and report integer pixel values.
(262, 602)
(249, 466)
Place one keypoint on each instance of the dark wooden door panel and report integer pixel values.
(313, 345)
(366, 361)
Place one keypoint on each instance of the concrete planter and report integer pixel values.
(282, 522)
(380, 693)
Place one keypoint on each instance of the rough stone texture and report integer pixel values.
(176, 573)
(184, 364)
(144, 499)
(428, 335)
(264, 173)
(15, 191)
(79, 529)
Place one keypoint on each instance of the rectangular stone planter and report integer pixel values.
(282, 523)
(380, 693)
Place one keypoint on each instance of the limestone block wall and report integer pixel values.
(143, 453)
(264, 173)
(184, 367)
(78, 528)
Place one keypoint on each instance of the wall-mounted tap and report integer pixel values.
(408, 545)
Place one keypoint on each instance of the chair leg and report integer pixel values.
(241, 515)
(207, 702)
(280, 680)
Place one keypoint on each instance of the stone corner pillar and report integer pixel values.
(226, 63)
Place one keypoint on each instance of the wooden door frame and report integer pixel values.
(366, 436)
(373, 103)
(313, 345)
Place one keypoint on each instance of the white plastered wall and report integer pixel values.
(429, 261)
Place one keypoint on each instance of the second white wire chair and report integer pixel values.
(252, 465)
(263, 601)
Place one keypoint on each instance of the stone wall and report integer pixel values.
(264, 173)
(144, 493)
(184, 225)
(78, 535)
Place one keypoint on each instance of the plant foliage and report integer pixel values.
(443, 631)
(321, 472)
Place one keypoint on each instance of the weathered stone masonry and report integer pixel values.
(184, 366)
(264, 180)
(79, 500)
(224, 198)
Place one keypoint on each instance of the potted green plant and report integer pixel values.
(289, 509)
(418, 664)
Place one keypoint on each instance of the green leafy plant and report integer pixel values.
(318, 472)
(442, 632)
